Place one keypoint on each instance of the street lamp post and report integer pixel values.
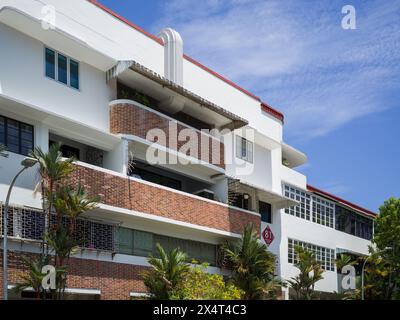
(362, 272)
(26, 163)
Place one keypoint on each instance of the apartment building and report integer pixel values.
(179, 155)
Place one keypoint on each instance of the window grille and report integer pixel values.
(29, 224)
(324, 256)
(310, 207)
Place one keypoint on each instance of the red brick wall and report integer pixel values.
(114, 280)
(129, 119)
(115, 191)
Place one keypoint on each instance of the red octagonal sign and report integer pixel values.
(268, 235)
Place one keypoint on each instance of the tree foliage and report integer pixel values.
(382, 277)
(198, 284)
(310, 272)
(167, 272)
(253, 266)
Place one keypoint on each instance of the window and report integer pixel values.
(312, 208)
(324, 256)
(68, 151)
(16, 136)
(74, 74)
(61, 68)
(265, 211)
(62, 74)
(242, 200)
(244, 149)
(303, 210)
(146, 175)
(141, 243)
(50, 61)
(323, 211)
(352, 223)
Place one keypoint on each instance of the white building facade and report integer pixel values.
(128, 105)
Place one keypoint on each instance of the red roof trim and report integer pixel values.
(352, 205)
(264, 106)
(267, 108)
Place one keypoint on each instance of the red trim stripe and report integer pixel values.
(352, 205)
(264, 106)
(267, 108)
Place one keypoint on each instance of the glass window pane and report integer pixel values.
(62, 69)
(125, 241)
(50, 63)
(74, 74)
(142, 243)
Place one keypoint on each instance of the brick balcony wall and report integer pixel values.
(114, 280)
(126, 118)
(121, 192)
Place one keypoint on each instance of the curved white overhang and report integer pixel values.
(60, 125)
(292, 157)
(71, 44)
(173, 97)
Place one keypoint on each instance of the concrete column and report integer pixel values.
(41, 136)
(117, 159)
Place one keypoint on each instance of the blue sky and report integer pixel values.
(339, 89)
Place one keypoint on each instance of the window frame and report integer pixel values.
(239, 151)
(20, 123)
(69, 59)
(325, 256)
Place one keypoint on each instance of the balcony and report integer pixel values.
(128, 117)
(119, 191)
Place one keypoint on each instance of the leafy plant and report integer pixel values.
(33, 278)
(382, 270)
(198, 284)
(344, 260)
(166, 274)
(310, 273)
(252, 265)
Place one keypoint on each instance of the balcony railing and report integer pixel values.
(131, 118)
(29, 225)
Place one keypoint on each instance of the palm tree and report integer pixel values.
(72, 203)
(253, 266)
(166, 274)
(344, 260)
(33, 278)
(310, 273)
(66, 201)
(3, 150)
(53, 169)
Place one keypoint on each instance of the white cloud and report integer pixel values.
(296, 56)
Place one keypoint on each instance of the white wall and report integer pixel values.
(23, 192)
(307, 231)
(293, 177)
(22, 77)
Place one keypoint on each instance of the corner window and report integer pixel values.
(244, 149)
(16, 136)
(61, 68)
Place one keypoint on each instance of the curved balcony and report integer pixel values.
(119, 191)
(128, 117)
